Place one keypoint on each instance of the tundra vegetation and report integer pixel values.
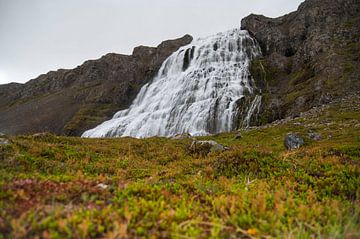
(68, 187)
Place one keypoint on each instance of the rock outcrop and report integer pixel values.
(310, 56)
(68, 102)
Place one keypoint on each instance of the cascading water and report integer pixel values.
(196, 91)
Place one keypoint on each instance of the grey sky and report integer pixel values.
(41, 35)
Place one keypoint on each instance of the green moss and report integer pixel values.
(263, 73)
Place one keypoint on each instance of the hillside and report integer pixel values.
(62, 187)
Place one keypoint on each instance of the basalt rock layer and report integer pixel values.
(310, 56)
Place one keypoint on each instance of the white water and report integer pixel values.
(255, 105)
(196, 91)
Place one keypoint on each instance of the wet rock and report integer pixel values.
(206, 146)
(293, 141)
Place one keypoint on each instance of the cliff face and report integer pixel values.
(68, 102)
(309, 56)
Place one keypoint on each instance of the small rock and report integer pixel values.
(4, 141)
(2, 135)
(296, 115)
(315, 136)
(182, 136)
(41, 135)
(102, 186)
(206, 146)
(293, 141)
(238, 136)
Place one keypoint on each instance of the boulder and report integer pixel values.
(206, 146)
(293, 141)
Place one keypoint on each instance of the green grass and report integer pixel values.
(157, 187)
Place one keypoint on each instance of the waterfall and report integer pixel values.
(196, 91)
(255, 105)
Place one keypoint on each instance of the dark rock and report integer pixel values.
(293, 141)
(238, 136)
(68, 102)
(310, 56)
(206, 146)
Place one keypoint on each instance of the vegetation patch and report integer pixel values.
(68, 187)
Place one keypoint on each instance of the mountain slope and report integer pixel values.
(70, 101)
(310, 56)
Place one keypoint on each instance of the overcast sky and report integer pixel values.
(37, 36)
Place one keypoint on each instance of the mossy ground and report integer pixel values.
(157, 188)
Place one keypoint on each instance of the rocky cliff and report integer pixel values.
(310, 56)
(68, 102)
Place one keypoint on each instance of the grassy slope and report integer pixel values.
(157, 188)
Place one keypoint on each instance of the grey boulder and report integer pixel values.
(293, 141)
(206, 146)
